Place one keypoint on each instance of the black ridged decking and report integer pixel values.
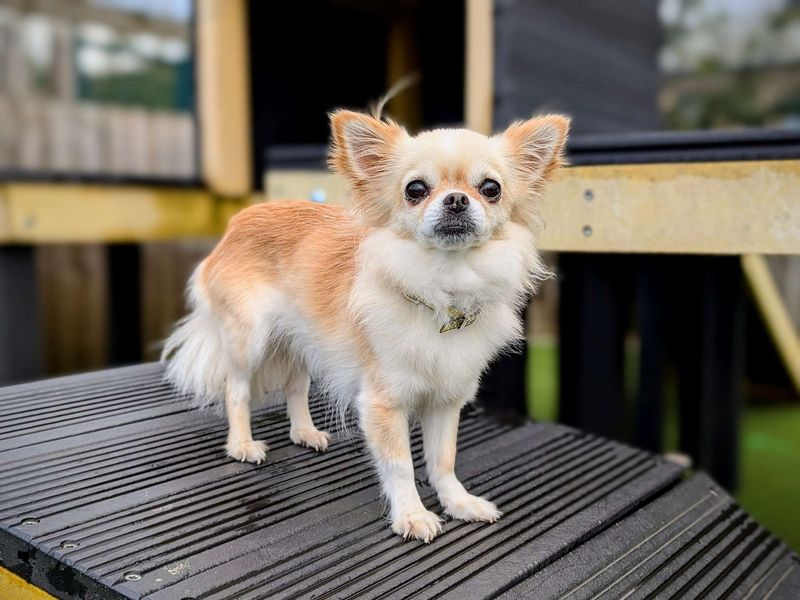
(113, 488)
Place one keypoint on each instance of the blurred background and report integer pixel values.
(130, 130)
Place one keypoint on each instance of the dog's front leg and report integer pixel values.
(385, 427)
(440, 430)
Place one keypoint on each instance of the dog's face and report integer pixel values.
(446, 188)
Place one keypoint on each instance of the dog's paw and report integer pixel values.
(471, 508)
(253, 451)
(422, 525)
(310, 438)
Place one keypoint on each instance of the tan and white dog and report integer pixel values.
(397, 305)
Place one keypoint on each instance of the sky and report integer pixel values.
(175, 10)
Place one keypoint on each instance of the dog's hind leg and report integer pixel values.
(302, 430)
(241, 445)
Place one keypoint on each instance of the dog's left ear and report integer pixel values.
(362, 145)
(537, 145)
(535, 148)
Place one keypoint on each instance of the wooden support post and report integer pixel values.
(710, 360)
(503, 389)
(223, 80)
(479, 68)
(20, 346)
(773, 310)
(403, 61)
(594, 301)
(654, 283)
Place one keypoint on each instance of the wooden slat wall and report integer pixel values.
(73, 290)
(73, 284)
(53, 132)
(50, 136)
(166, 267)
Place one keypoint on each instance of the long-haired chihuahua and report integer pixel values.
(395, 306)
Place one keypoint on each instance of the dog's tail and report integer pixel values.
(400, 86)
(193, 353)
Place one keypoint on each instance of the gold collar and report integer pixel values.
(458, 318)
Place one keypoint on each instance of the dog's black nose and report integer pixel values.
(456, 202)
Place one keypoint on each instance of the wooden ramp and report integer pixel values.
(112, 487)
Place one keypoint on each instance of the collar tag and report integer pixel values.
(458, 318)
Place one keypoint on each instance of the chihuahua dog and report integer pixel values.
(396, 306)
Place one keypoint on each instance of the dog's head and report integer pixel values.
(446, 188)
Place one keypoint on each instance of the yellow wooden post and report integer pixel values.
(224, 96)
(479, 68)
(403, 61)
(779, 323)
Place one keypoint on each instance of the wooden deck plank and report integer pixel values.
(113, 488)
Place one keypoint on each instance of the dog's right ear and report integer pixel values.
(362, 146)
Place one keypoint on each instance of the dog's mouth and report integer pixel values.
(454, 228)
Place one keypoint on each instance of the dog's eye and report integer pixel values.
(490, 189)
(416, 191)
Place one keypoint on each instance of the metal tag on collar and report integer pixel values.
(458, 318)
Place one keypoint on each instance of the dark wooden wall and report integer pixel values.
(75, 290)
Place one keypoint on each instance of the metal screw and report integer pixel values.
(132, 576)
(68, 544)
(29, 521)
(588, 195)
(587, 230)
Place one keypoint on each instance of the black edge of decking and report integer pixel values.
(133, 497)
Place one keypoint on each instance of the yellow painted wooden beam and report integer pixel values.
(693, 208)
(773, 310)
(697, 208)
(16, 588)
(33, 213)
(223, 86)
(479, 65)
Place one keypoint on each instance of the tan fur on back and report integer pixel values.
(307, 250)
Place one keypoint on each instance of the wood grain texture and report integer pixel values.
(73, 290)
(479, 67)
(224, 95)
(690, 208)
(166, 267)
(51, 213)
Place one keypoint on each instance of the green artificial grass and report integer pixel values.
(770, 468)
(542, 380)
(770, 485)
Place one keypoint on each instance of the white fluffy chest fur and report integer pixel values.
(417, 363)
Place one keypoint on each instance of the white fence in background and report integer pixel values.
(54, 132)
(52, 136)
